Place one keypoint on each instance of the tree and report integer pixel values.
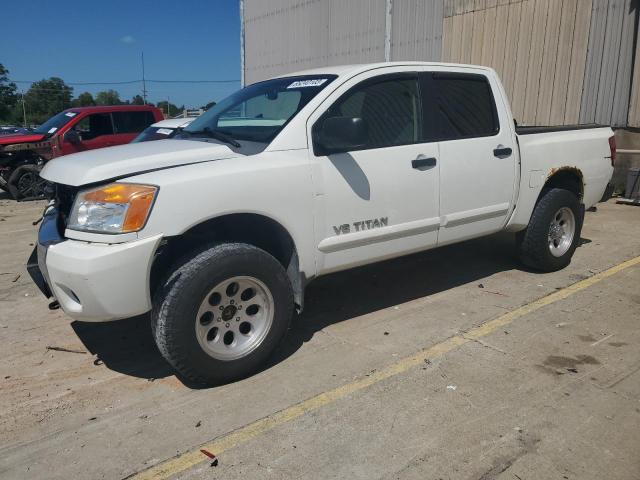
(85, 99)
(169, 108)
(108, 97)
(46, 98)
(137, 100)
(208, 105)
(8, 97)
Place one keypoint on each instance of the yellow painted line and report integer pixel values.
(187, 460)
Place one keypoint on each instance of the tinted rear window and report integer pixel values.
(132, 122)
(462, 107)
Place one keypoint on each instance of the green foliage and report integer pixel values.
(8, 96)
(169, 109)
(46, 98)
(108, 97)
(137, 100)
(85, 99)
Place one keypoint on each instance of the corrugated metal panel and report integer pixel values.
(416, 31)
(282, 36)
(609, 60)
(634, 104)
(578, 59)
(518, 92)
(594, 61)
(548, 69)
(561, 61)
(536, 55)
(623, 76)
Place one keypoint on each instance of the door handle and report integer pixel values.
(423, 163)
(502, 152)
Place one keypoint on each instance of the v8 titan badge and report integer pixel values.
(361, 225)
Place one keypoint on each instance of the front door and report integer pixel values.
(381, 199)
(478, 153)
(95, 131)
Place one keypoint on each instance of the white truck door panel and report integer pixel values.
(381, 200)
(478, 155)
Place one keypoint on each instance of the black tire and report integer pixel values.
(25, 183)
(533, 242)
(179, 297)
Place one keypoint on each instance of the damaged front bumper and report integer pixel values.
(92, 282)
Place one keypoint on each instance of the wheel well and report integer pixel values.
(254, 229)
(568, 178)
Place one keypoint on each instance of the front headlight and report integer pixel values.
(114, 208)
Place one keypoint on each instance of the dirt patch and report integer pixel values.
(558, 365)
(586, 338)
(618, 344)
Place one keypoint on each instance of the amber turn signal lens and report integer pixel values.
(138, 197)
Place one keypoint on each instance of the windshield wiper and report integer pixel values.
(223, 137)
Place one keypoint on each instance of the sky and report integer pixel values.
(102, 41)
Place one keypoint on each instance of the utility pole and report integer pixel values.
(24, 112)
(144, 84)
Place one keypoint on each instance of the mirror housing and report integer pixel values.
(72, 137)
(341, 134)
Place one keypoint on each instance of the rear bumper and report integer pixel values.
(94, 282)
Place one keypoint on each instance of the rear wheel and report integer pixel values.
(553, 233)
(221, 313)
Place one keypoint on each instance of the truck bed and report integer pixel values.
(530, 130)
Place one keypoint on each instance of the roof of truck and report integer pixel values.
(111, 108)
(363, 67)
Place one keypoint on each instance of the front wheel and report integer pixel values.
(553, 233)
(25, 183)
(221, 313)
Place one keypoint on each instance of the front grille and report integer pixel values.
(64, 198)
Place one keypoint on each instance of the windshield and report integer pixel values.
(54, 123)
(154, 133)
(260, 111)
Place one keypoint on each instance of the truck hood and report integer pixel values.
(13, 139)
(125, 160)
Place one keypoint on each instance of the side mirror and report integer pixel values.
(72, 137)
(341, 134)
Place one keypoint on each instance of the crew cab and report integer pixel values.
(70, 131)
(218, 230)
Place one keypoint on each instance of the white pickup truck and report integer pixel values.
(217, 231)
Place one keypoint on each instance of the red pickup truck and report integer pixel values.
(70, 131)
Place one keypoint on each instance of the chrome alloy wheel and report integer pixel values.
(561, 231)
(234, 318)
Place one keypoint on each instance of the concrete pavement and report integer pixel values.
(553, 394)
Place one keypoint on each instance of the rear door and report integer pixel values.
(478, 152)
(380, 200)
(127, 125)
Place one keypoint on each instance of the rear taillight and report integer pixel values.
(612, 147)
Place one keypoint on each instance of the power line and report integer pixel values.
(129, 82)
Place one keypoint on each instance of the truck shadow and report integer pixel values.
(127, 346)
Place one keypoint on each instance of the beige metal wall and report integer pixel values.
(283, 36)
(634, 104)
(538, 47)
(561, 61)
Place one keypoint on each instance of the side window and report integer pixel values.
(94, 125)
(132, 122)
(390, 108)
(460, 106)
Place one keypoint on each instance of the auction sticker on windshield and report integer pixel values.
(308, 83)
